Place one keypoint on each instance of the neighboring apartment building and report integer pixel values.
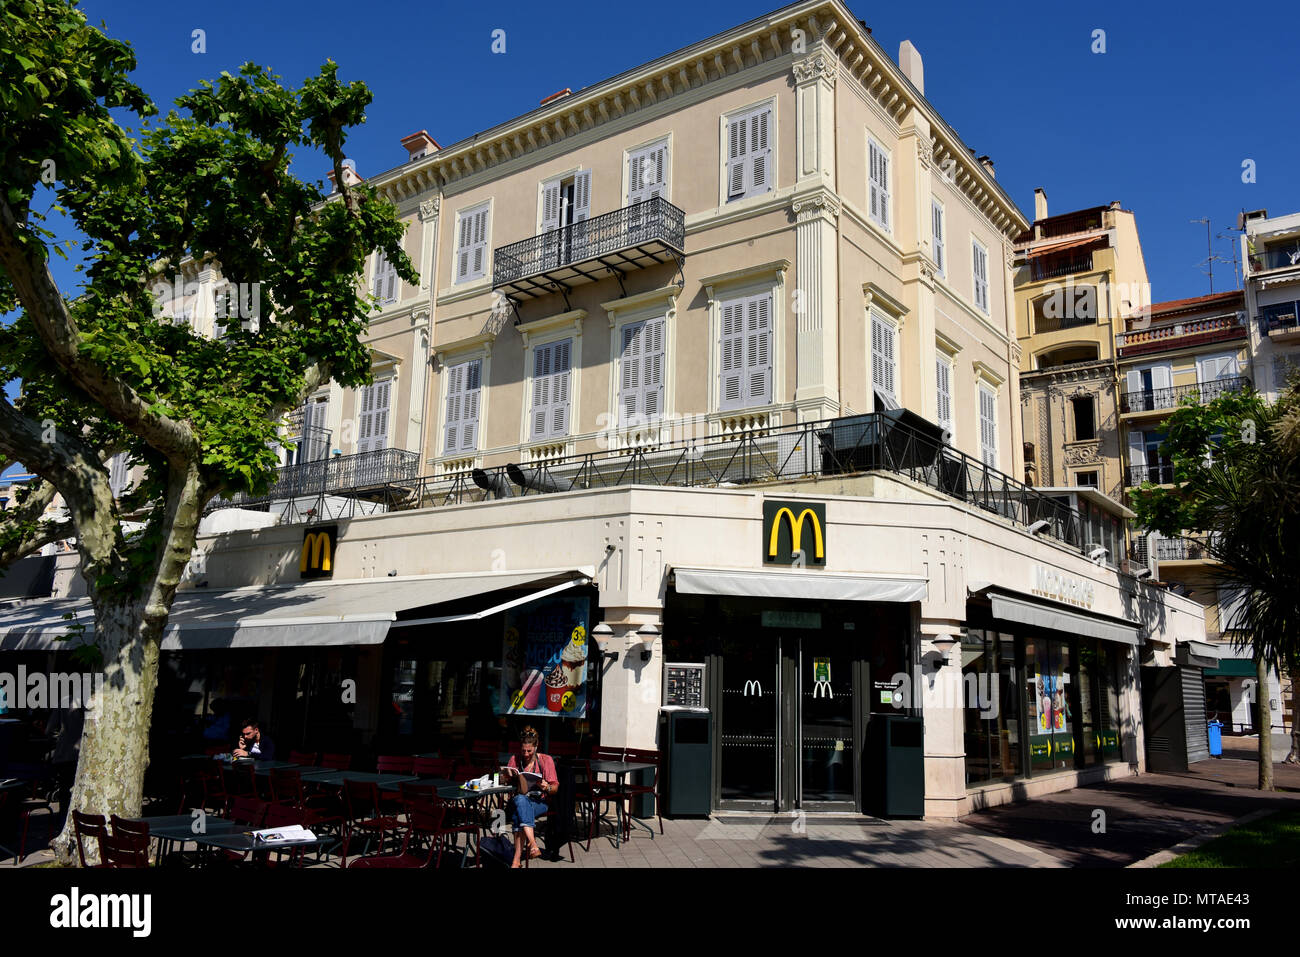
(1271, 252)
(1079, 275)
(724, 376)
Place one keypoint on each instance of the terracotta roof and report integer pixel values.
(1197, 302)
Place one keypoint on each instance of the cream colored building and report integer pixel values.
(724, 370)
(1079, 275)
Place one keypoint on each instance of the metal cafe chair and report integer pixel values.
(89, 827)
(426, 822)
(393, 764)
(303, 758)
(364, 814)
(338, 762)
(128, 849)
(643, 756)
(444, 768)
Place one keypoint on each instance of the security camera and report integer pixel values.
(1039, 526)
(1142, 573)
(1097, 553)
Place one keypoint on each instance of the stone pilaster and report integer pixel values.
(815, 307)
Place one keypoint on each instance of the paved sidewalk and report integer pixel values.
(1143, 814)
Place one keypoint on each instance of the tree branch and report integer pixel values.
(40, 296)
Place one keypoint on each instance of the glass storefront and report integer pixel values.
(1034, 704)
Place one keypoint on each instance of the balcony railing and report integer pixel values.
(1049, 267)
(312, 444)
(1267, 259)
(881, 441)
(1179, 335)
(1170, 398)
(1192, 548)
(1070, 224)
(1162, 474)
(633, 237)
(341, 475)
(1278, 318)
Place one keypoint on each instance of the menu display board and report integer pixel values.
(684, 685)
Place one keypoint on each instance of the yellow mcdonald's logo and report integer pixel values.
(796, 532)
(316, 543)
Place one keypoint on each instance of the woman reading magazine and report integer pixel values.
(534, 775)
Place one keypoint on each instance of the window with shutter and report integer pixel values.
(471, 244)
(461, 419)
(988, 426)
(1210, 368)
(630, 385)
(372, 427)
(647, 175)
(551, 374)
(383, 284)
(936, 226)
(732, 372)
(943, 380)
(980, 270)
(878, 175)
(550, 206)
(749, 154)
(884, 352)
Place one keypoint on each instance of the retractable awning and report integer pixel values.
(1060, 247)
(1039, 614)
(357, 612)
(816, 586)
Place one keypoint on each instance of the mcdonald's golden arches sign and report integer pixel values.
(316, 560)
(794, 533)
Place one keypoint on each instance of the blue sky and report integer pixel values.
(1161, 121)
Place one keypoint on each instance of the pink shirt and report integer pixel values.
(545, 766)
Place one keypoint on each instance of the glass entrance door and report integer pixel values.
(748, 722)
(827, 746)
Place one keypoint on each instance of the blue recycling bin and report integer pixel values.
(1216, 739)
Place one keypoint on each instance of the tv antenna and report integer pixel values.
(1210, 259)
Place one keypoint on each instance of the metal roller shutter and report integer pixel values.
(1198, 741)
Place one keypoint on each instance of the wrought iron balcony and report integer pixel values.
(343, 474)
(1279, 320)
(1050, 267)
(1192, 548)
(1162, 474)
(633, 237)
(1155, 399)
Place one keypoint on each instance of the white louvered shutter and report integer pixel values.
(464, 242)
(737, 152)
(652, 368)
(758, 350)
(980, 270)
(730, 387)
(478, 260)
(943, 380)
(581, 196)
(936, 226)
(541, 390)
(1137, 457)
(630, 375)
(383, 284)
(372, 431)
(878, 174)
(760, 153)
(560, 389)
(455, 404)
(988, 427)
(883, 357)
(550, 206)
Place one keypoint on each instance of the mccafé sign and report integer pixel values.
(1049, 583)
(794, 533)
(316, 560)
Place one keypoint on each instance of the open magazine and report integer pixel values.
(293, 834)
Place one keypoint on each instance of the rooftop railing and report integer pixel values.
(897, 442)
(354, 475)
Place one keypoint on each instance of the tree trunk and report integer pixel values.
(1293, 757)
(1265, 724)
(115, 743)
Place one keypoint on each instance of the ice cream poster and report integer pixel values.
(544, 660)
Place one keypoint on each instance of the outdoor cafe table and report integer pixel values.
(243, 841)
(620, 770)
(331, 778)
(174, 828)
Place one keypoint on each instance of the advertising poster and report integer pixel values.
(544, 660)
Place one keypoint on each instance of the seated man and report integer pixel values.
(254, 744)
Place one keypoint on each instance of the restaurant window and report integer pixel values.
(992, 740)
(1049, 706)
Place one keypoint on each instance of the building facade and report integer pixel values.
(1271, 253)
(1079, 277)
(723, 393)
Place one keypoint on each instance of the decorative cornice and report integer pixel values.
(877, 296)
(986, 372)
(815, 68)
(775, 270)
(574, 318)
(665, 296)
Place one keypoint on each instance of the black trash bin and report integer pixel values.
(895, 767)
(686, 756)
